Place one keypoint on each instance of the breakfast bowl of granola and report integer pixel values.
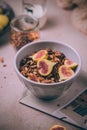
(47, 68)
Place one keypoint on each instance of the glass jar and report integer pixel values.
(24, 29)
(36, 8)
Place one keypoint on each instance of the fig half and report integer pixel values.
(42, 54)
(45, 67)
(57, 127)
(70, 63)
(65, 72)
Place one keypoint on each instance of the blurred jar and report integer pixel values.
(36, 8)
(24, 29)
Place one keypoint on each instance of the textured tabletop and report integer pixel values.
(16, 116)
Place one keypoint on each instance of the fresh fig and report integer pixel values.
(65, 72)
(45, 66)
(57, 127)
(42, 54)
(70, 64)
(33, 77)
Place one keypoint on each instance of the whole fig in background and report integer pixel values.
(42, 54)
(70, 63)
(45, 67)
(4, 20)
(57, 127)
(65, 72)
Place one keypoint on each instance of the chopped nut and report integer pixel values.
(1, 59)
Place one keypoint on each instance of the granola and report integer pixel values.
(44, 66)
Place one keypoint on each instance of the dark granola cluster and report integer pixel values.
(29, 66)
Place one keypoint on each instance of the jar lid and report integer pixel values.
(24, 23)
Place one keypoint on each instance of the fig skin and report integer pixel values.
(70, 64)
(57, 127)
(65, 72)
(33, 77)
(45, 67)
(42, 54)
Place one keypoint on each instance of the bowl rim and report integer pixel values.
(47, 84)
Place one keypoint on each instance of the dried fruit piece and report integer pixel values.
(57, 127)
(45, 66)
(70, 63)
(42, 54)
(65, 72)
(33, 77)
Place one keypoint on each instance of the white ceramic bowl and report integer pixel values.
(52, 90)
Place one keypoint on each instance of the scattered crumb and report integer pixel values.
(85, 121)
(4, 65)
(39, 128)
(4, 77)
(76, 90)
(58, 105)
(1, 59)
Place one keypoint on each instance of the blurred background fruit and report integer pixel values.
(6, 15)
(1, 10)
(4, 19)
